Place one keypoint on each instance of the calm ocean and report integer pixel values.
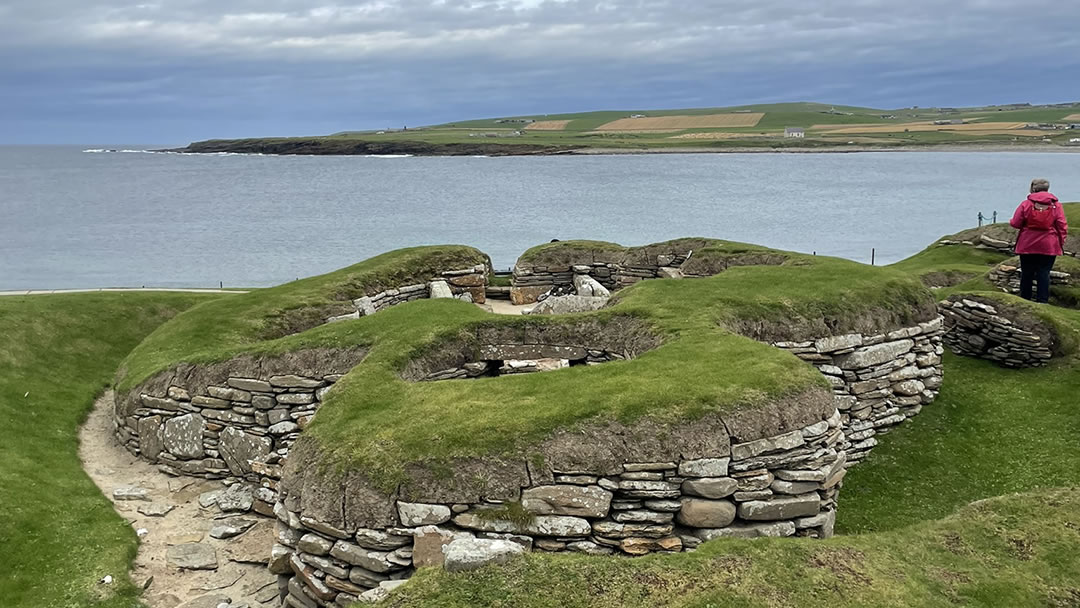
(75, 219)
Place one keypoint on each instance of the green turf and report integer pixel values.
(699, 320)
(1021, 550)
(58, 534)
(231, 324)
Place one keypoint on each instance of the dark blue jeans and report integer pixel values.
(1035, 267)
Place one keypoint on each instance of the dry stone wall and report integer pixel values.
(781, 485)
(980, 329)
(242, 427)
(878, 380)
(1007, 277)
(468, 284)
(529, 282)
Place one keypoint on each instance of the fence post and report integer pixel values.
(995, 218)
(980, 219)
(873, 255)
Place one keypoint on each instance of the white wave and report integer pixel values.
(118, 151)
(388, 156)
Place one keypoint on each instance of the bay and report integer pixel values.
(75, 219)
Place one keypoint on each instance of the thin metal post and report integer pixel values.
(995, 218)
(873, 255)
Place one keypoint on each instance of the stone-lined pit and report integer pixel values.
(497, 350)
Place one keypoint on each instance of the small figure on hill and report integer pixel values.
(1041, 222)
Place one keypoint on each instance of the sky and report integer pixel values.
(174, 71)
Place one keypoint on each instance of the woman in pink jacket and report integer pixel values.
(1041, 222)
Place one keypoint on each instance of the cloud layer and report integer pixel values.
(169, 71)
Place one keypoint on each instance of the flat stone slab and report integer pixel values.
(231, 528)
(131, 493)
(156, 509)
(192, 556)
(466, 554)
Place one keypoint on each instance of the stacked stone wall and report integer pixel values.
(529, 282)
(878, 380)
(1007, 278)
(238, 427)
(980, 329)
(781, 485)
(469, 284)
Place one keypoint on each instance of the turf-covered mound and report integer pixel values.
(1018, 550)
(274, 319)
(696, 426)
(1006, 329)
(555, 264)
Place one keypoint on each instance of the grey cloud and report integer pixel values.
(302, 65)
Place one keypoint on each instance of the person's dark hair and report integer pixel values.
(1040, 184)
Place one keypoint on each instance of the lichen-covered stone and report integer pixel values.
(420, 514)
(183, 436)
(541, 525)
(466, 554)
(238, 449)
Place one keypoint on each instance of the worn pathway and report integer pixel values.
(236, 571)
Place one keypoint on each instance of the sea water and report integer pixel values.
(72, 218)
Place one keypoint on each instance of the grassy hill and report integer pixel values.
(759, 126)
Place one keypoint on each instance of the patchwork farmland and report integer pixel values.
(779, 126)
(657, 123)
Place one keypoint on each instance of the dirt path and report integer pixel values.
(240, 577)
(504, 307)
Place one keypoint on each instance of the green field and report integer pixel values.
(501, 136)
(58, 534)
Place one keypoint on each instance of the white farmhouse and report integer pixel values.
(794, 132)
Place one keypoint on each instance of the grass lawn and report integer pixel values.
(1012, 551)
(58, 534)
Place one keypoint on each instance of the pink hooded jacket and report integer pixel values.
(1043, 242)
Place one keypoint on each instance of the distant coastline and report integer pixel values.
(357, 147)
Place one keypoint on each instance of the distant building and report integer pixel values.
(1074, 141)
(637, 116)
(797, 132)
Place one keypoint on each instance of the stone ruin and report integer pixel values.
(774, 471)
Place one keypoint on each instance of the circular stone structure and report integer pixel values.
(726, 397)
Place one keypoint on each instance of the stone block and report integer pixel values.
(710, 487)
(420, 514)
(749, 449)
(183, 436)
(701, 513)
(580, 501)
(780, 507)
(704, 467)
(869, 356)
(466, 554)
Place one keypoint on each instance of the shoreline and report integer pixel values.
(45, 292)
(421, 149)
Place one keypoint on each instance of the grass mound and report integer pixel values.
(1021, 550)
(710, 360)
(219, 329)
(59, 534)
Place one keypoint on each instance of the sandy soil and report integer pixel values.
(505, 307)
(110, 466)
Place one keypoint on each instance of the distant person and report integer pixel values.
(1041, 222)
